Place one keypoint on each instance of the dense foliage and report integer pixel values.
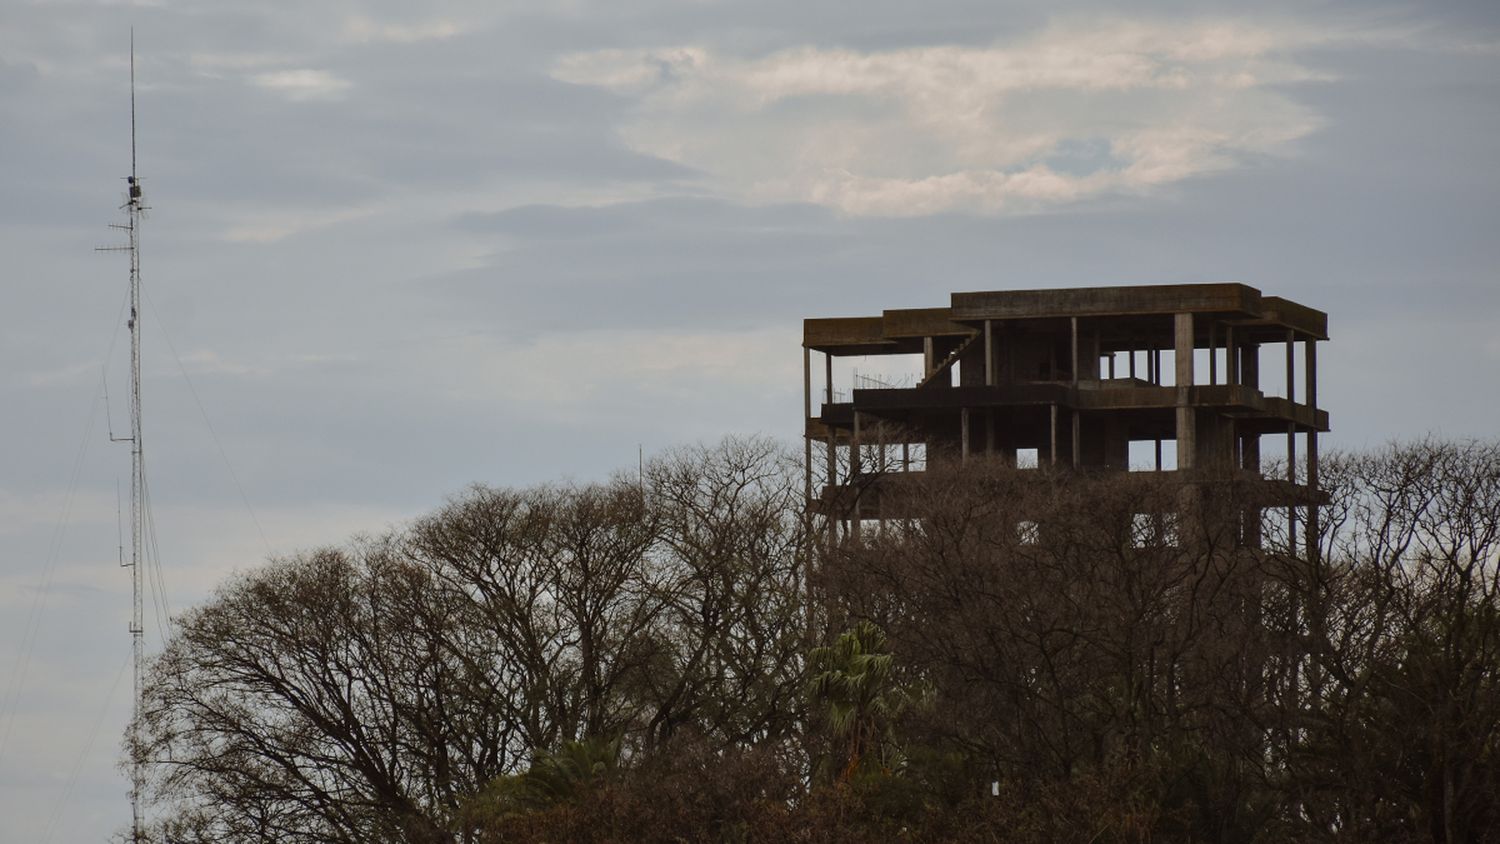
(1024, 656)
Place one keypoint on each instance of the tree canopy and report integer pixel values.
(1026, 655)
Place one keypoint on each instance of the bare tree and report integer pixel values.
(310, 702)
(1397, 705)
(368, 693)
(732, 554)
(1125, 650)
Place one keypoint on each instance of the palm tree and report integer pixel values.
(855, 687)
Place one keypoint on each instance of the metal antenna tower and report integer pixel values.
(134, 208)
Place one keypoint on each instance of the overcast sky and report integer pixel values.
(400, 250)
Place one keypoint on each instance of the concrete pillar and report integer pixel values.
(1231, 358)
(1073, 322)
(963, 435)
(833, 480)
(855, 481)
(1213, 354)
(833, 458)
(1052, 457)
(1077, 441)
(1291, 382)
(854, 456)
(806, 416)
(880, 469)
(929, 361)
(1310, 373)
(1250, 534)
(1311, 359)
(1187, 445)
(1291, 476)
(989, 355)
(828, 377)
(1291, 437)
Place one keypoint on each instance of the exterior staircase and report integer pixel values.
(947, 362)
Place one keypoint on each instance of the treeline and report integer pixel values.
(1023, 656)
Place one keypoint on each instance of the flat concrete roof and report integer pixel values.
(1133, 312)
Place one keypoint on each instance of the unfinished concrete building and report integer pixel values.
(1168, 377)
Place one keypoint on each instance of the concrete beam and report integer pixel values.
(1107, 301)
(906, 323)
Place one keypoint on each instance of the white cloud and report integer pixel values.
(215, 63)
(364, 30)
(271, 226)
(302, 84)
(1067, 114)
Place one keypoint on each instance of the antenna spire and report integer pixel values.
(132, 105)
(134, 209)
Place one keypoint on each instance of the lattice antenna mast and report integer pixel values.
(134, 208)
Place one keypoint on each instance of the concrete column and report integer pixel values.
(1291, 383)
(929, 361)
(1231, 357)
(1053, 456)
(1187, 439)
(1310, 371)
(828, 377)
(1077, 441)
(1250, 534)
(854, 456)
(1213, 354)
(963, 435)
(806, 417)
(1250, 365)
(1311, 359)
(989, 355)
(855, 481)
(1291, 476)
(1291, 438)
(833, 458)
(1131, 365)
(880, 469)
(833, 480)
(1073, 321)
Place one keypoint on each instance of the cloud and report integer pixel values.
(302, 84)
(271, 226)
(364, 30)
(994, 129)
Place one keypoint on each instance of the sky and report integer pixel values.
(396, 249)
